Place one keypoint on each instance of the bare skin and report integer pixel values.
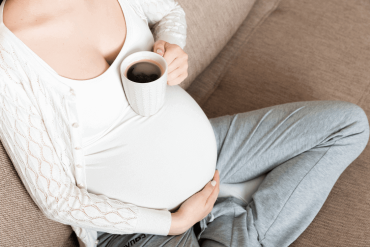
(196, 207)
(80, 39)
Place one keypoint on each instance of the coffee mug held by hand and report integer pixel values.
(146, 98)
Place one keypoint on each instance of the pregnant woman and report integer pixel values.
(120, 179)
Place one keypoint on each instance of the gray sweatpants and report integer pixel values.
(304, 147)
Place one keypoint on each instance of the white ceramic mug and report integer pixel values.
(146, 99)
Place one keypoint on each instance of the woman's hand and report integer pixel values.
(195, 208)
(177, 61)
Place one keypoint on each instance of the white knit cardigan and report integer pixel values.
(40, 132)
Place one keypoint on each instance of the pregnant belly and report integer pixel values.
(158, 161)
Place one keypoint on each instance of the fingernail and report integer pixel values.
(213, 182)
(159, 51)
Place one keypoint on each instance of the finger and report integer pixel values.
(159, 47)
(216, 177)
(217, 174)
(178, 80)
(213, 196)
(208, 188)
(176, 73)
(207, 191)
(170, 54)
(179, 62)
(209, 185)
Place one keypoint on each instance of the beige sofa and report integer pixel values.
(245, 55)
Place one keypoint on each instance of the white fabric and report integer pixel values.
(40, 132)
(244, 191)
(155, 162)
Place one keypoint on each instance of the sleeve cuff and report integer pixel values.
(153, 221)
(172, 39)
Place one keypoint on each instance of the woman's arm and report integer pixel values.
(167, 20)
(24, 136)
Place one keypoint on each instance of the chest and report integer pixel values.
(79, 42)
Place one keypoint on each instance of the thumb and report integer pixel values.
(208, 189)
(159, 47)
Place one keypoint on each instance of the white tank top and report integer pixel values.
(155, 162)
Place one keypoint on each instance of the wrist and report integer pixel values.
(178, 224)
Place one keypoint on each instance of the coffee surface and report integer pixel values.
(143, 72)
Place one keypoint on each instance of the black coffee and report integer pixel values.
(143, 72)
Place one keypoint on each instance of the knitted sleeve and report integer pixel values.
(45, 176)
(167, 20)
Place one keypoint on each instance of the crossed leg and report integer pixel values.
(304, 146)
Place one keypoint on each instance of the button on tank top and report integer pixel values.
(155, 162)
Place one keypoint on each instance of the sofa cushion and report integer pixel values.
(211, 24)
(204, 85)
(21, 221)
(307, 50)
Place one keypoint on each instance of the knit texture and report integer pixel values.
(167, 20)
(37, 116)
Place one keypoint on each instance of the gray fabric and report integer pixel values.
(304, 146)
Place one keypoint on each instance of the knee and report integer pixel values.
(356, 115)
